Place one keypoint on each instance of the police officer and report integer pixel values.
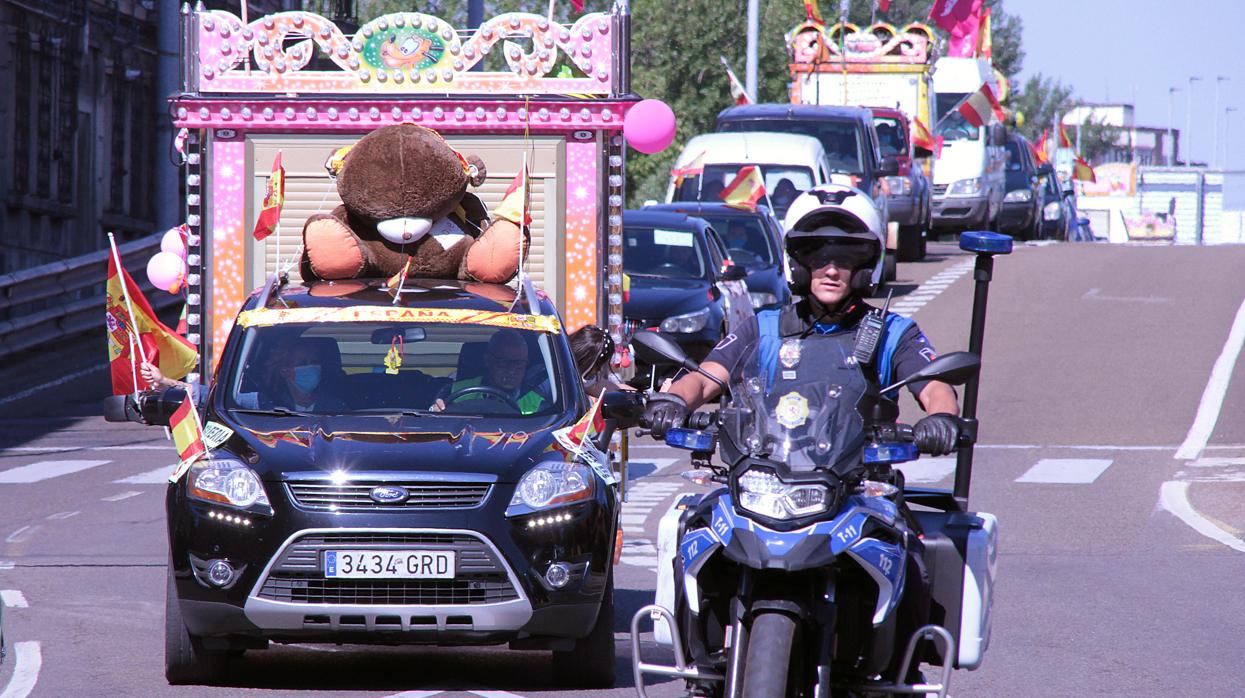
(834, 249)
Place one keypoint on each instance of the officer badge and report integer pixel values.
(789, 354)
(792, 410)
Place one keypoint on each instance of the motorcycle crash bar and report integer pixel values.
(681, 667)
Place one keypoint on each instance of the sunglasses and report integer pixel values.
(842, 254)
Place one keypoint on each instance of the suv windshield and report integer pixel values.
(841, 139)
(355, 368)
(952, 126)
(670, 252)
(782, 184)
(891, 138)
(746, 238)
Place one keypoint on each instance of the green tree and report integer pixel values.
(1040, 99)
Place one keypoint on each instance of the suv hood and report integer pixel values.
(411, 445)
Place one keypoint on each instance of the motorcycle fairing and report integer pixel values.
(885, 564)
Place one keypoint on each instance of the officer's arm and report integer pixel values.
(938, 397)
(695, 389)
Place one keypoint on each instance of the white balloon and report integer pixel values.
(172, 243)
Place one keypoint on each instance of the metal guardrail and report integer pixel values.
(51, 302)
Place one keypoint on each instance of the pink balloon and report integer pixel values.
(166, 271)
(650, 126)
(173, 244)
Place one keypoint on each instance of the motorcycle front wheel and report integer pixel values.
(769, 660)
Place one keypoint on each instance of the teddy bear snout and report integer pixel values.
(404, 231)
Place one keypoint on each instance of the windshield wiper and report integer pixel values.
(275, 411)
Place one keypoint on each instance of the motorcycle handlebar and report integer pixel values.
(700, 420)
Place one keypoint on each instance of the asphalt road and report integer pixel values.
(1119, 563)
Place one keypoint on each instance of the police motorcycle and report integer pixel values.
(796, 575)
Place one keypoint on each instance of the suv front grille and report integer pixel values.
(940, 190)
(297, 575)
(423, 494)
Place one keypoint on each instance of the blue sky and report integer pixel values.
(1134, 50)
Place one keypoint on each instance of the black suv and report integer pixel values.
(393, 473)
(1022, 205)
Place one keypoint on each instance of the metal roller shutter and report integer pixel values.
(308, 190)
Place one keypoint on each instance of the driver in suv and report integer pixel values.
(505, 366)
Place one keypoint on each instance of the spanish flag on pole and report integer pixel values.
(738, 93)
(921, 137)
(745, 190)
(812, 12)
(572, 438)
(978, 107)
(274, 198)
(153, 340)
(695, 168)
(514, 203)
(985, 44)
(1081, 170)
(187, 434)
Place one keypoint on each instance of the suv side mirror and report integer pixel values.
(1045, 170)
(889, 167)
(734, 272)
(154, 408)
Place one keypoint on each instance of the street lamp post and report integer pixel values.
(1171, 141)
(1188, 122)
(1214, 153)
(1227, 131)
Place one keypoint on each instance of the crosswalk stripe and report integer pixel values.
(151, 477)
(13, 598)
(43, 470)
(1067, 471)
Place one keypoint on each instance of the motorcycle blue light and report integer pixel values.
(890, 453)
(689, 439)
(981, 241)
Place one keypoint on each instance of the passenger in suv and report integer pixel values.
(361, 516)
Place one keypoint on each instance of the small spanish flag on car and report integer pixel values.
(921, 137)
(694, 168)
(1081, 170)
(187, 434)
(745, 190)
(514, 205)
(274, 198)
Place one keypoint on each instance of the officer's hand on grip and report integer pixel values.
(937, 434)
(663, 412)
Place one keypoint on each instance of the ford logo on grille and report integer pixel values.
(388, 494)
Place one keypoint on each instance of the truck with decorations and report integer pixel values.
(885, 68)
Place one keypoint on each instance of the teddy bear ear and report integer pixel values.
(476, 170)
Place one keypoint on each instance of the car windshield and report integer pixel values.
(891, 136)
(358, 368)
(841, 138)
(782, 184)
(952, 126)
(669, 252)
(746, 238)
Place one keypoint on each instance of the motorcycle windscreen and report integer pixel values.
(806, 413)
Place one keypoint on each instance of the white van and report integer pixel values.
(968, 185)
(789, 163)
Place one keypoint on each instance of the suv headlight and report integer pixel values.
(1018, 195)
(686, 323)
(227, 481)
(899, 186)
(965, 187)
(762, 299)
(761, 492)
(1051, 212)
(549, 484)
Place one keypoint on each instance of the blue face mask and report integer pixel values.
(307, 377)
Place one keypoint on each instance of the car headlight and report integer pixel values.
(549, 484)
(1051, 212)
(761, 492)
(760, 300)
(966, 187)
(227, 481)
(686, 323)
(1019, 195)
(899, 186)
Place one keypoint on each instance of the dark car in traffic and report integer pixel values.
(1021, 214)
(908, 191)
(753, 240)
(1057, 212)
(680, 280)
(391, 472)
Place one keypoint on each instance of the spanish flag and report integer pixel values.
(1064, 141)
(572, 438)
(738, 93)
(187, 434)
(921, 137)
(985, 45)
(745, 190)
(274, 198)
(812, 12)
(695, 168)
(1038, 156)
(514, 203)
(173, 355)
(1043, 147)
(396, 280)
(978, 107)
(1081, 170)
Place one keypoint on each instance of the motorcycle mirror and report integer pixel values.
(625, 406)
(954, 368)
(658, 349)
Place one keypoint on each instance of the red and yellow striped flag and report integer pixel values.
(985, 44)
(187, 434)
(1081, 170)
(978, 107)
(274, 198)
(154, 341)
(812, 12)
(745, 190)
(514, 203)
(695, 168)
(921, 137)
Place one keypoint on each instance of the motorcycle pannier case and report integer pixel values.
(960, 553)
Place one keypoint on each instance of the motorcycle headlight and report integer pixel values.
(1018, 195)
(965, 187)
(227, 481)
(763, 493)
(760, 300)
(899, 186)
(549, 484)
(686, 323)
(1051, 212)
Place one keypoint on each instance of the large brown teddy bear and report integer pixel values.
(404, 195)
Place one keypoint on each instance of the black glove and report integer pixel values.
(663, 412)
(937, 434)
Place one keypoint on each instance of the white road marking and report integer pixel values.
(1174, 497)
(22, 534)
(27, 663)
(121, 496)
(927, 470)
(416, 694)
(47, 469)
(1068, 471)
(495, 694)
(62, 449)
(6, 564)
(1216, 462)
(1216, 389)
(63, 515)
(935, 285)
(151, 477)
(13, 598)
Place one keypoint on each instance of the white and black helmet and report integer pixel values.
(839, 212)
